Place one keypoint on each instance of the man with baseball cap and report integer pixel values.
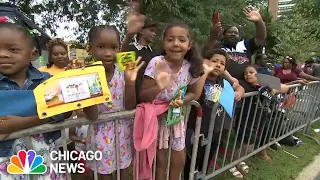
(145, 31)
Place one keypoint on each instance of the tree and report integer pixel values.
(308, 8)
(296, 34)
(89, 13)
(198, 14)
(294, 39)
(86, 13)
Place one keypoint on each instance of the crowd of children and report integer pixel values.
(179, 65)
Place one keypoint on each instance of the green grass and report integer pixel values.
(316, 125)
(284, 166)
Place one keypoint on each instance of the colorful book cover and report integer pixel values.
(126, 60)
(71, 90)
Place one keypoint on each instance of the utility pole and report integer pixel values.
(266, 18)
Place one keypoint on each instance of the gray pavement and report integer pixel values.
(312, 171)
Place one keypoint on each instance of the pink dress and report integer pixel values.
(105, 133)
(180, 79)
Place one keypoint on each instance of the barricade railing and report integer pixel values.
(249, 133)
(103, 118)
(257, 124)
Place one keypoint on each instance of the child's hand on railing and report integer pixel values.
(303, 81)
(237, 96)
(78, 139)
(238, 92)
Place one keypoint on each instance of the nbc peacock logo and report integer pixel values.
(26, 163)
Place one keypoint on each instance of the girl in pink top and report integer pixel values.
(179, 66)
(104, 44)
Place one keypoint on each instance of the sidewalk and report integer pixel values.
(312, 171)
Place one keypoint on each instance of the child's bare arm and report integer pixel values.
(200, 83)
(149, 90)
(191, 93)
(284, 89)
(10, 124)
(130, 76)
(72, 134)
(239, 91)
(74, 137)
(199, 88)
(91, 112)
(135, 22)
(228, 76)
(130, 95)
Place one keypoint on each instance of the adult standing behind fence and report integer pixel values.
(240, 51)
(58, 58)
(260, 64)
(316, 68)
(290, 74)
(308, 66)
(145, 31)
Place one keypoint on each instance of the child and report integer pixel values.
(104, 43)
(58, 58)
(79, 135)
(210, 84)
(58, 61)
(179, 66)
(16, 73)
(263, 104)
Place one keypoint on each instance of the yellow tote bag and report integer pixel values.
(71, 90)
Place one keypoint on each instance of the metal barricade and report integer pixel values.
(104, 118)
(255, 127)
